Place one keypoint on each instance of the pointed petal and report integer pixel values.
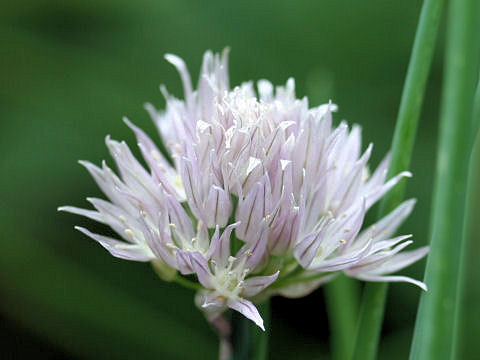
(387, 226)
(300, 289)
(94, 215)
(184, 75)
(184, 263)
(306, 249)
(341, 262)
(119, 249)
(256, 284)
(247, 309)
(218, 207)
(255, 252)
(200, 265)
(377, 193)
(379, 278)
(250, 212)
(402, 260)
(220, 248)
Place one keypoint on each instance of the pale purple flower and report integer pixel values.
(261, 195)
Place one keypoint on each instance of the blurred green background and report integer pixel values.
(71, 69)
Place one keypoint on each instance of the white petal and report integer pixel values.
(247, 309)
(120, 249)
(256, 284)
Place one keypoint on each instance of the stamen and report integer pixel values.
(129, 233)
(155, 155)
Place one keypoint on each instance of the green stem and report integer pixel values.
(187, 283)
(434, 328)
(240, 337)
(248, 340)
(468, 315)
(342, 305)
(260, 339)
(371, 317)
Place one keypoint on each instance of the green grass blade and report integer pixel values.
(468, 313)
(373, 302)
(434, 329)
(342, 296)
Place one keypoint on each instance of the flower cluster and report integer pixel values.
(258, 195)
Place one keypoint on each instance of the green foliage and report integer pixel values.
(434, 329)
(374, 297)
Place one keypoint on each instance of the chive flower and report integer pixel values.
(259, 195)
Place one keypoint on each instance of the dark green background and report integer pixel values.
(69, 70)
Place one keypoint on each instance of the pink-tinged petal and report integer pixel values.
(157, 243)
(200, 266)
(306, 249)
(120, 249)
(402, 260)
(255, 253)
(218, 207)
(179, 217)
(94, 215)
(250, 212)
(350, 184)
(190, 174)
(247, 309)
(160, 249)
(388, 225)
(341, 262)
(202, 240)
(220, 247)
(256, 284)
(184, 75)
(184, 263)
(376, 194)
(344, 229)
(388, 244)
(379, 278)
(148, 145)
(380, 174)
(300, 289)
(161, 169)
(115, 216)
(373, 262)
(109, 183)
(132, 172)
(315, 205)
(283, 236)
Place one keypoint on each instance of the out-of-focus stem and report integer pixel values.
(373, 302)
(342, 295)
(468, 315)
(248, 340)
(434, 329)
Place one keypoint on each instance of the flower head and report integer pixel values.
(259, 194)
